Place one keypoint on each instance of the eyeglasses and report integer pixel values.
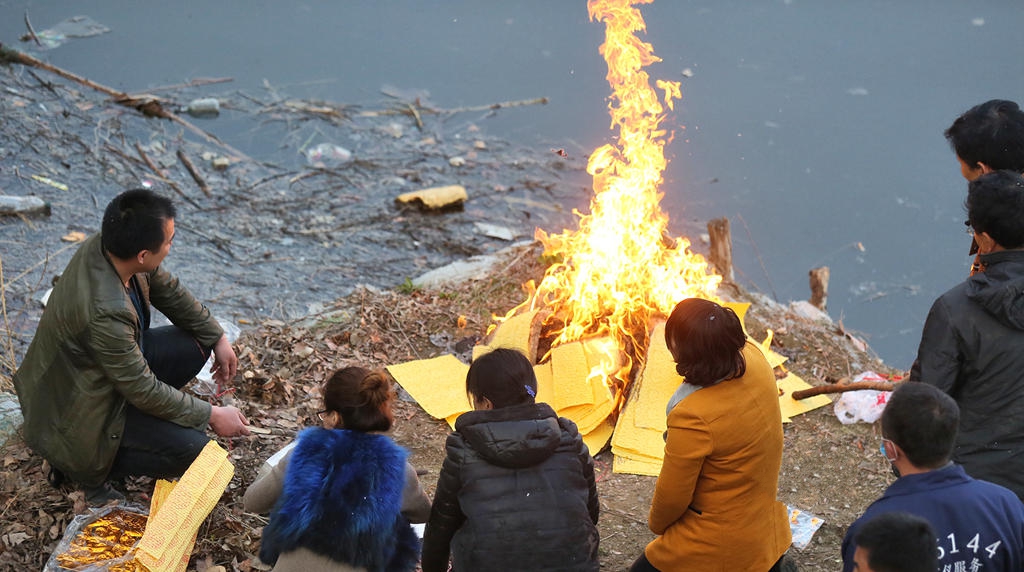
(322, 414)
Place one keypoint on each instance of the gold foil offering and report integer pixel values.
(107, 538)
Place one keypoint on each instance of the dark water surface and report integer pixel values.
(815, 126)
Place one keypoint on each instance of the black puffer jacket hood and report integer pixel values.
(1000, 289)
(515, 437)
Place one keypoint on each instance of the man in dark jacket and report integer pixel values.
(972, 346)
(988, 137)
(977, 525)
(99, 389)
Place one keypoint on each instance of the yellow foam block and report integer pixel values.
(571, 371)
(515, 333)
(437, 384)
(170, 534)
(598, 438)
(791, 407)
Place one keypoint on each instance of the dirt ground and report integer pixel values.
(326, 231)
(829, 469)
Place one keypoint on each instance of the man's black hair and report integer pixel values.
(923, 421)
(995, 204)
(990, 133)
(134, 221)
(898, 542)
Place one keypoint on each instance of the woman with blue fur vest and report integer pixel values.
(516, 490)
(343, 496)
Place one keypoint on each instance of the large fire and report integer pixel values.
(621, 268)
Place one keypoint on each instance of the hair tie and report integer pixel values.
(530, 391)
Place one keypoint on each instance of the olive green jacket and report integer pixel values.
(85, 364)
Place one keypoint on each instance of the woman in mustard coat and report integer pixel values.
(715, 506)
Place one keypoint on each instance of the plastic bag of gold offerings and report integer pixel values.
(101, 541)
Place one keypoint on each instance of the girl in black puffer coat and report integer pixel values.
(516, 490)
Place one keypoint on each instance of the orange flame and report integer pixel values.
(621, 268)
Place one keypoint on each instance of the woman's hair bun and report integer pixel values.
(376, 387)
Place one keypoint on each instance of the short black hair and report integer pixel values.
(923, 421)
(990, 133)
(898, 542)
(995, 204)
(134, 221)
(504, 376)
(706, 341)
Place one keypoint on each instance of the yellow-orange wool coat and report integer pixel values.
(715, 504)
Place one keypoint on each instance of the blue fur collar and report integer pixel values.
(342, 498)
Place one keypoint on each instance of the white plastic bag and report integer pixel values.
(863, 404)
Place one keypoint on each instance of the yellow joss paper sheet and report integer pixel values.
(598, 438)
(437, 384)
(791, 407)
(171, 532)
(570, 369)
(515, 333)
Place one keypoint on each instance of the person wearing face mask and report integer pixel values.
(978, 525)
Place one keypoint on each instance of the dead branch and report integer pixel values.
(31, 32)
(199, 81)
(163, 176)
(195, 173)
(416, 110)
(145, 104)
(416, 114)
(843, 387)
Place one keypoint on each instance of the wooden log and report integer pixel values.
(721, 247)
(842, 387)
(819, 287)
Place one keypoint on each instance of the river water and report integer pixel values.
(814, 126)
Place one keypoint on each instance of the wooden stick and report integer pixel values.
(163, 176)
(199, 81)
(843, 387)
(195, 174)
(721, 247)
(31, 32)
(431, 110)
(416, 114)
(148, 106)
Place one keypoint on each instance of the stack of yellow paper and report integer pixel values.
(639, 442)
(572, 382)
(171, 532)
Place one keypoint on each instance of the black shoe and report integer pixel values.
(54, 477)
(102, 494)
